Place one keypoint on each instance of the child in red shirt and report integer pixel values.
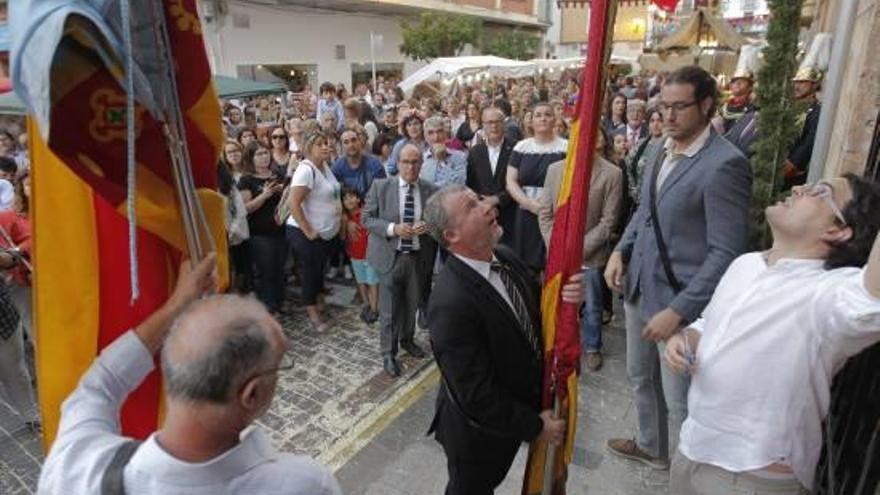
(356, 246)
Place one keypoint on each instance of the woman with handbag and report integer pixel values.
(314, 222)
(260, 189)
(229, 171)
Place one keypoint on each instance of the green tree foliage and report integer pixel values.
(777, 116)
(438, 35)
(514, 44)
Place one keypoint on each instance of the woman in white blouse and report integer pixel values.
(315, 215)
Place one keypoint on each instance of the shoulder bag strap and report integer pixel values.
(655, 222)
(112, 481)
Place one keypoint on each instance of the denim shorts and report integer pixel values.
(364, 273)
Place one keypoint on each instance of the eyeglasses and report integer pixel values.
(491, 122)
(675, 107)
(825, 191)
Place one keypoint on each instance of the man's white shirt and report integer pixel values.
(772, 339)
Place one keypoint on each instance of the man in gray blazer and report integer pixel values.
(699, 187)
(401, 251)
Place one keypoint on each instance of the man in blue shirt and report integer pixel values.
(442, 166)
(356, 169)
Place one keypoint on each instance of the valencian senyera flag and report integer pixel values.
(75, 63)
(547, 467)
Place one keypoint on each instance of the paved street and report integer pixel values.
(338, 406)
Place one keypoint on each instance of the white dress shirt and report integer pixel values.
(494, 154)
(88, 437)
(417, 197)
(673, 155)
(484, 268)
(772, 339)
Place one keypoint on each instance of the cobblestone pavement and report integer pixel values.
(336, 391)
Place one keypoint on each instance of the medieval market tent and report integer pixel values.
(703, 39)
(445, 69)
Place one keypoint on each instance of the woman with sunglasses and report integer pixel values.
(281, 155)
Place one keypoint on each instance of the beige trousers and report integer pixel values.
(687, 477)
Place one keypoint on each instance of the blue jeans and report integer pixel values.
(591, 312)
(269, 254)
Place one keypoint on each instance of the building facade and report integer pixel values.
(303, 41)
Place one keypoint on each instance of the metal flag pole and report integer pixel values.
(191, 212)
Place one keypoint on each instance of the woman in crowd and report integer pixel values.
(635, 162)
(15, 307)
(229, 172)
(615, 115)
(561, 128)
(247, 136)
(618, 147)
(382, 149)
(314, 222)
(414, 135)
(467, 131)
(528, 129)
(295, 130)
(525, 180)
(281, 155)
(261, 190)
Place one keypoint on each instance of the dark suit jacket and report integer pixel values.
(481, 179)
(486, 361)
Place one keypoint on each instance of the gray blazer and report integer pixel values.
(703, 210)
(382, 207)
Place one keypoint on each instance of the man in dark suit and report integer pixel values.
(487, 168)
(485, 323)
(401, 251)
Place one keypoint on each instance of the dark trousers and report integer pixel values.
(240, 264)
(399, 294)
(477, 477)
(310, 258)
(269, 254)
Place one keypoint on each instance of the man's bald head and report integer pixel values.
(215, 345)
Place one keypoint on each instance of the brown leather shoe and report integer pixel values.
(628, 448)
(593, 360)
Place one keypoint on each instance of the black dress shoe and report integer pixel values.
(391, 366)
(412, 349)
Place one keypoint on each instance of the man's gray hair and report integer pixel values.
(436, 215)
(214, 374)
(437, 122)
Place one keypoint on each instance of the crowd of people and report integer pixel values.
(440, 208)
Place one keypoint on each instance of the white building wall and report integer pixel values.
(735, 9)
(288, 35)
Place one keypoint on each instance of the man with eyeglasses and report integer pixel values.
(690, 225)
(780, 325)
(221, 357)
(487, 169)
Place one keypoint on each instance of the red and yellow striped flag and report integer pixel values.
(561, 332)
(80, 225)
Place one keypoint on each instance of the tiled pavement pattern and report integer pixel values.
(337, 382)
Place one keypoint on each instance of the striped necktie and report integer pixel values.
(409, 217)
(519, 306)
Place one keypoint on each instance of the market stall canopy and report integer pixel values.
(446, 68)
(227, 87)
(230, 87)
(690, 33)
